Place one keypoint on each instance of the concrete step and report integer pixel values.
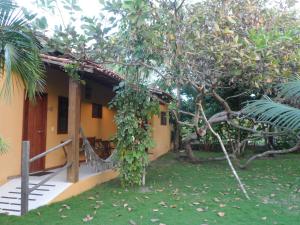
(10, 194)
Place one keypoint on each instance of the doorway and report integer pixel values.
(34, 129)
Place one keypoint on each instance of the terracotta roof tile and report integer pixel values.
(85, 65)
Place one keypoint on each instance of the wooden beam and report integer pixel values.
(25, 177)
(73, 130)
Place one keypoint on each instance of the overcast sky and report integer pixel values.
(89, 8)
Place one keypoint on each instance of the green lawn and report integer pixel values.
(185, 194)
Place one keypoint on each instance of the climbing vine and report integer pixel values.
(3, 146)
(135, 107)
(72, 70)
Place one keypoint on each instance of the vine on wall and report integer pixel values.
(135, 107)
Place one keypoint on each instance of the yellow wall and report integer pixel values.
(161, 135)
(104, 128)
(57, 85)
(11, 120)
(86, 184)
(11, 123)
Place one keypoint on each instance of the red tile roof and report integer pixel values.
(86, 65)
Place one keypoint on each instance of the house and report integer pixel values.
(56, 118)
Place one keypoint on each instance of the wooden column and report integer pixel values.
(25, 177)
(73, 130)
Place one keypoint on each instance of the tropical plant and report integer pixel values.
(19, 52)
(282, 116)
(278, 114)
(135, 107)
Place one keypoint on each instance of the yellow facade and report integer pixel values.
(161, 135)
(11, 125)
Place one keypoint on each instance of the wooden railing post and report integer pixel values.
(73, 130)
(25, 177)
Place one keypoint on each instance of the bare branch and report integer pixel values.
(181, 122)
(186, 113)
(236, 96)
(225, 152)
(293, 149)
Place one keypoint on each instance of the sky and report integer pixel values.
(89, 8)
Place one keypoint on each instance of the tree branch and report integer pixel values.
(284, 151)
(225, 152)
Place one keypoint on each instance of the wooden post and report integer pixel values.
(25, 177)
(73, 130)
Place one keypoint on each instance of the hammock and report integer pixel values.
(92, 158)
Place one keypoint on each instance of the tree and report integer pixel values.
(19, 52)
(199, 50)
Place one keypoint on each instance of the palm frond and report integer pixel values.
(19, 56)
(278, 114)
(290, 89)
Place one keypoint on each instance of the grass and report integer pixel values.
(185, 194)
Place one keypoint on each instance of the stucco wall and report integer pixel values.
(103, 128)
(11, 120)
(57, 85)
(161, 135)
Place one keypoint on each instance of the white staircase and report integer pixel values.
(10, 194)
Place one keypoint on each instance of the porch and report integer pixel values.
(54, 190)
(53, 122)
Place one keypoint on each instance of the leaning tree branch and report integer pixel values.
(186, 113)
(264, 133)
(284, 151)
(179, 121)
(225, 152)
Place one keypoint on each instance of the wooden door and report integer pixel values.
(34, 129)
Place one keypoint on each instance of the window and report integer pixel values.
(62, 118)
(163, 118)
(96, 111)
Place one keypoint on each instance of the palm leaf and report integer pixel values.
(280, 115)
(290, 89)
(19, 56)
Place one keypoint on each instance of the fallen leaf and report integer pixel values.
(216, 200)
(154, 220)
(132, 222)
(87, 218)
(66, 206)
(221, 214)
